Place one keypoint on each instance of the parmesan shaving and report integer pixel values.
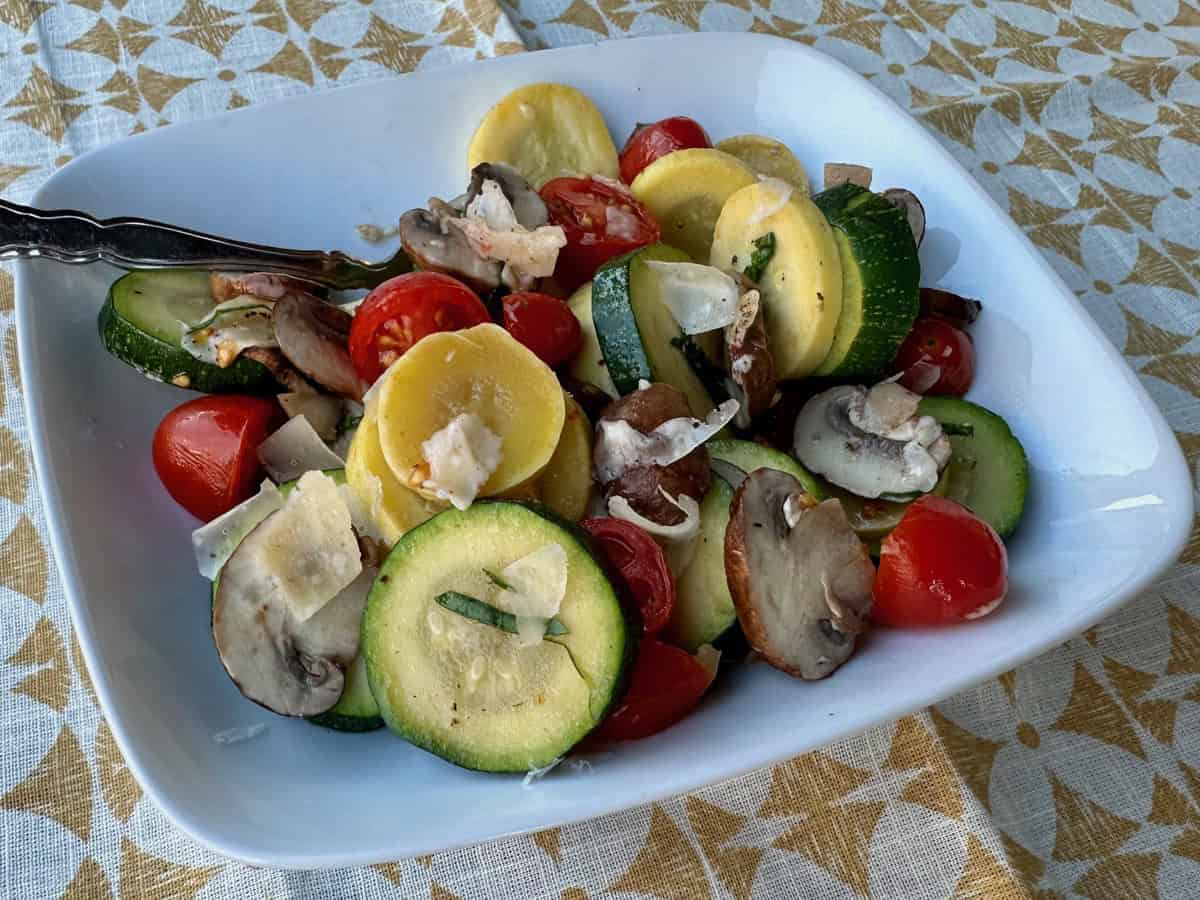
(215, 542)
(619, 446)
(294, 449)
(701, 298)
(783, 193)
(461, 456)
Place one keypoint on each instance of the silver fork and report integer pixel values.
(73, 237)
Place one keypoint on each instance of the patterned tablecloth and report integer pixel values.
(1075, 775)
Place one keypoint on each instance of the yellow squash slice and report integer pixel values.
(802, 284)
(566, 484)
(545, 131)
(685, 192)
(768, 157)
(481, 371)
(394, 508)
(588, 364)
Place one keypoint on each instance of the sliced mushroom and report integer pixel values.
(276, 363)
(313, 336)
(643, 486)
(447, 250)
(527, 204)
(910, 205)
(751, 368)
(958, 310)
(872, 443)
(293, 668)
(838, 173)
(799, 576)
(264, 285)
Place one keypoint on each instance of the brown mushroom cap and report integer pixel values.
(799, 576)
(448, 251)
(643, 486)
(314, 336)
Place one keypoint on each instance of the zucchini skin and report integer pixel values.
(352, 724)
(616, 326)
(160, 361)
(882, 249)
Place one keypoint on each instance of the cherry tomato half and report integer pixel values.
(941, 564)
(544, 324)
(642, 566)
(601, 220)
(937, 359)
(404, 309)
(666, 684)
(649, 142)
(205, 451)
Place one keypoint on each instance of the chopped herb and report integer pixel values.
(347, 424)
(497, 580)
(477, 611)
(711, 375)
(958, 430)
(764, 250)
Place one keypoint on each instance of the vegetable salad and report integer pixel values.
(632, 418)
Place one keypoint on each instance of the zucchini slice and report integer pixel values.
(356, 709)
(589, 364)
(704, 608)
(801, 286)
(988, 472)
(767, 157)
(880, 280)
(637, 333)
(143, 320)
(685, 192)
(545, 131)
(469, 692)
(748, 456)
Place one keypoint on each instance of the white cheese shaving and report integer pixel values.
(534, 775)
(679, 541)
(308, 551)
(622, 224)
(229, 329)
(491, 228)
(619, 446)
(461, 456)
(215, 542)
(537, 584)
(322, 411)
(701, 298)
(783, 193)
(491, 206)
(294, 449)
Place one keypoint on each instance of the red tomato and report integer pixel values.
(941, 564)
(601, 220)
(544, 324)
(666, 684)
(642, 566)
(649, 142)
(936, 359)
(404, 309)
(205, 451)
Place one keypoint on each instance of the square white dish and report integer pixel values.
(1109, 510)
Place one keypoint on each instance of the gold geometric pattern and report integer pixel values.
(1074, 775)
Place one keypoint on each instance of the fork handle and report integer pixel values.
(73, 237)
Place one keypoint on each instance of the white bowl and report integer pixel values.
(1109, 509)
